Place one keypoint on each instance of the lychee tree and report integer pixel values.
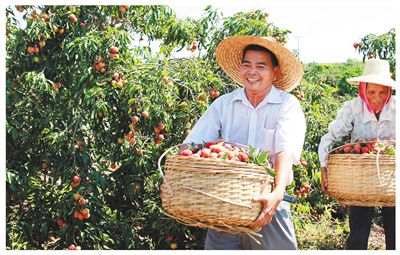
(379, 46)
(91, 103)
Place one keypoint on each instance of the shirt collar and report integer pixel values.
(367, 115)
(273, 97)
(239, 95)
(385, 114)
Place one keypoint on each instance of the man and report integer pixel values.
(261, 115)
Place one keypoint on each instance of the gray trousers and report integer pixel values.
(277, 235)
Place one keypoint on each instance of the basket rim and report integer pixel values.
(354, 155)
(384, 141)
(211, 165)
(191, 158)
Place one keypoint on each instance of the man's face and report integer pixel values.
(257, 72)
(376, 94)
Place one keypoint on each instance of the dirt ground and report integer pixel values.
(376, 239)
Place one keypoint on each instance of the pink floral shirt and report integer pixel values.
(355, 119)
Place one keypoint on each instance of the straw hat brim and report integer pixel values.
(377, 79)
(229, 54)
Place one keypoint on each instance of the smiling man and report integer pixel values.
(259, 69)
(263, 115)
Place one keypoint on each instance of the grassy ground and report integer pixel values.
(323, 233)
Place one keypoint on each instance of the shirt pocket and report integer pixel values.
(268, 140)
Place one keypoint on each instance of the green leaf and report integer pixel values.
(252, 152)
(262, 158)
(45, 229)
(270, 171)
(390, 151)
(10, 177)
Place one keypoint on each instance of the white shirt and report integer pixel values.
(355, 119)
(276, 124)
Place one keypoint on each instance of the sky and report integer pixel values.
(323, 31)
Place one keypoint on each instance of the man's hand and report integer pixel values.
(269, 204)
(324, 180)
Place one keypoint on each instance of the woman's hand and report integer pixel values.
(324, 181)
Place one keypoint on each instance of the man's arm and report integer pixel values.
(288, 146)
(208, 126)
(283, 168)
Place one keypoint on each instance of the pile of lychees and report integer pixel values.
(365, 147)
(218, 149)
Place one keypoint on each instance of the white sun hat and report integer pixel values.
(375, 71)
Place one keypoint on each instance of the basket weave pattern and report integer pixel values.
(355, 179)
(213, 193)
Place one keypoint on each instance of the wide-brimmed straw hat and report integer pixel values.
(229, 54)
(375, 71)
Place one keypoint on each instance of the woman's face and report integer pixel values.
(376, 94)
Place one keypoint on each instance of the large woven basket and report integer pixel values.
(213, 193)
(362, 180)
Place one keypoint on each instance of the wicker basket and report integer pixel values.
(213, 193)
(362, 180)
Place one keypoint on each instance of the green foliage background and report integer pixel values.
(44, 123)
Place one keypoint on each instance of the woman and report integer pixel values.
(370, 115)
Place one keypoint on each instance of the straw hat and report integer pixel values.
(229, 55)
(375, 71)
